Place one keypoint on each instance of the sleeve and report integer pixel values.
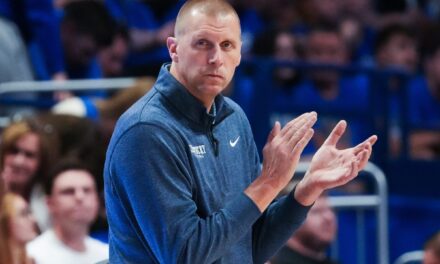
(151, 172)
(277, 223)
(275, 226)
(45, 29)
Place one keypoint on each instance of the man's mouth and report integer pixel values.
(212, 75)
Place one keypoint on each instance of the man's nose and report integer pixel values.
(79, 195)
(215, 56)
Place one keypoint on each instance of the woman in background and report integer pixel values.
(17, 227)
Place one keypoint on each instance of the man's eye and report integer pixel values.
(227, 45)
(202, 43)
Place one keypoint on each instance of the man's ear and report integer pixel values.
(172, 48)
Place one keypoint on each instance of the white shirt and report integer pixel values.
(48, 249)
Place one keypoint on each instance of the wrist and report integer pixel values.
(305, 193)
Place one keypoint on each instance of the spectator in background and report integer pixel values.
(86, 28)
(396, 49)
(280, 45)
(328, 89)
(39, 27)
(149, 23)
(310, 242)
(73, 203)
(424, 101)
(251, 20)
(25, 157)
(112, 58)
(432, 250)
(13, 49)
(17, 227)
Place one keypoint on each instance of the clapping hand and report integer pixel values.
(331, 167)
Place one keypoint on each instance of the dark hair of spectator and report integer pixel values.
(386, 33)
(91, 18)
(64, 165)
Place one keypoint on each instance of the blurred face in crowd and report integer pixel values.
(112, 58)
(319, 228)
(22, 223)
(74, 199)
(21, 162)
(285, 50)
(324, 47)
(206, 53)
(400, 51)
(79, 48)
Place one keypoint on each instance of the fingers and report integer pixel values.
(274, 132)
(301, 132)
(294, 124)
(363, 158)
(297, 131)
(367, 144)
(302, 143)
(336, 133)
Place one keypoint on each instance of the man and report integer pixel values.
(182, 176)
(432, 250)
(424, 103)
(309, 244)
(73, 204)
(396, 49)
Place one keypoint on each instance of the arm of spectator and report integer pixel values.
(424, 144)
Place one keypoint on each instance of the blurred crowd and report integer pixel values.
(51, 161)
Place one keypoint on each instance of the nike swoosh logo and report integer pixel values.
(233, 143)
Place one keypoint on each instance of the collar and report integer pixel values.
(186, 103)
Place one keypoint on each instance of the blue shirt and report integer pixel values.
(424, 108)
(174, 181)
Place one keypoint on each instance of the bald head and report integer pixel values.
(210, 8)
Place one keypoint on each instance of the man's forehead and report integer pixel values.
(73, 179)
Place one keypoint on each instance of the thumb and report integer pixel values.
(274, 132)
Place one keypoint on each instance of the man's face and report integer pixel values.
(400, 51)
(112, 58)
(285, 50)
(206, 54)
(74, 199)
(319, 228)
(22, 161)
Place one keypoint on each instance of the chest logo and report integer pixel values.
(233, 143)
(198, 151)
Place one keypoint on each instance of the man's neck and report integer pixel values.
(72, 237)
